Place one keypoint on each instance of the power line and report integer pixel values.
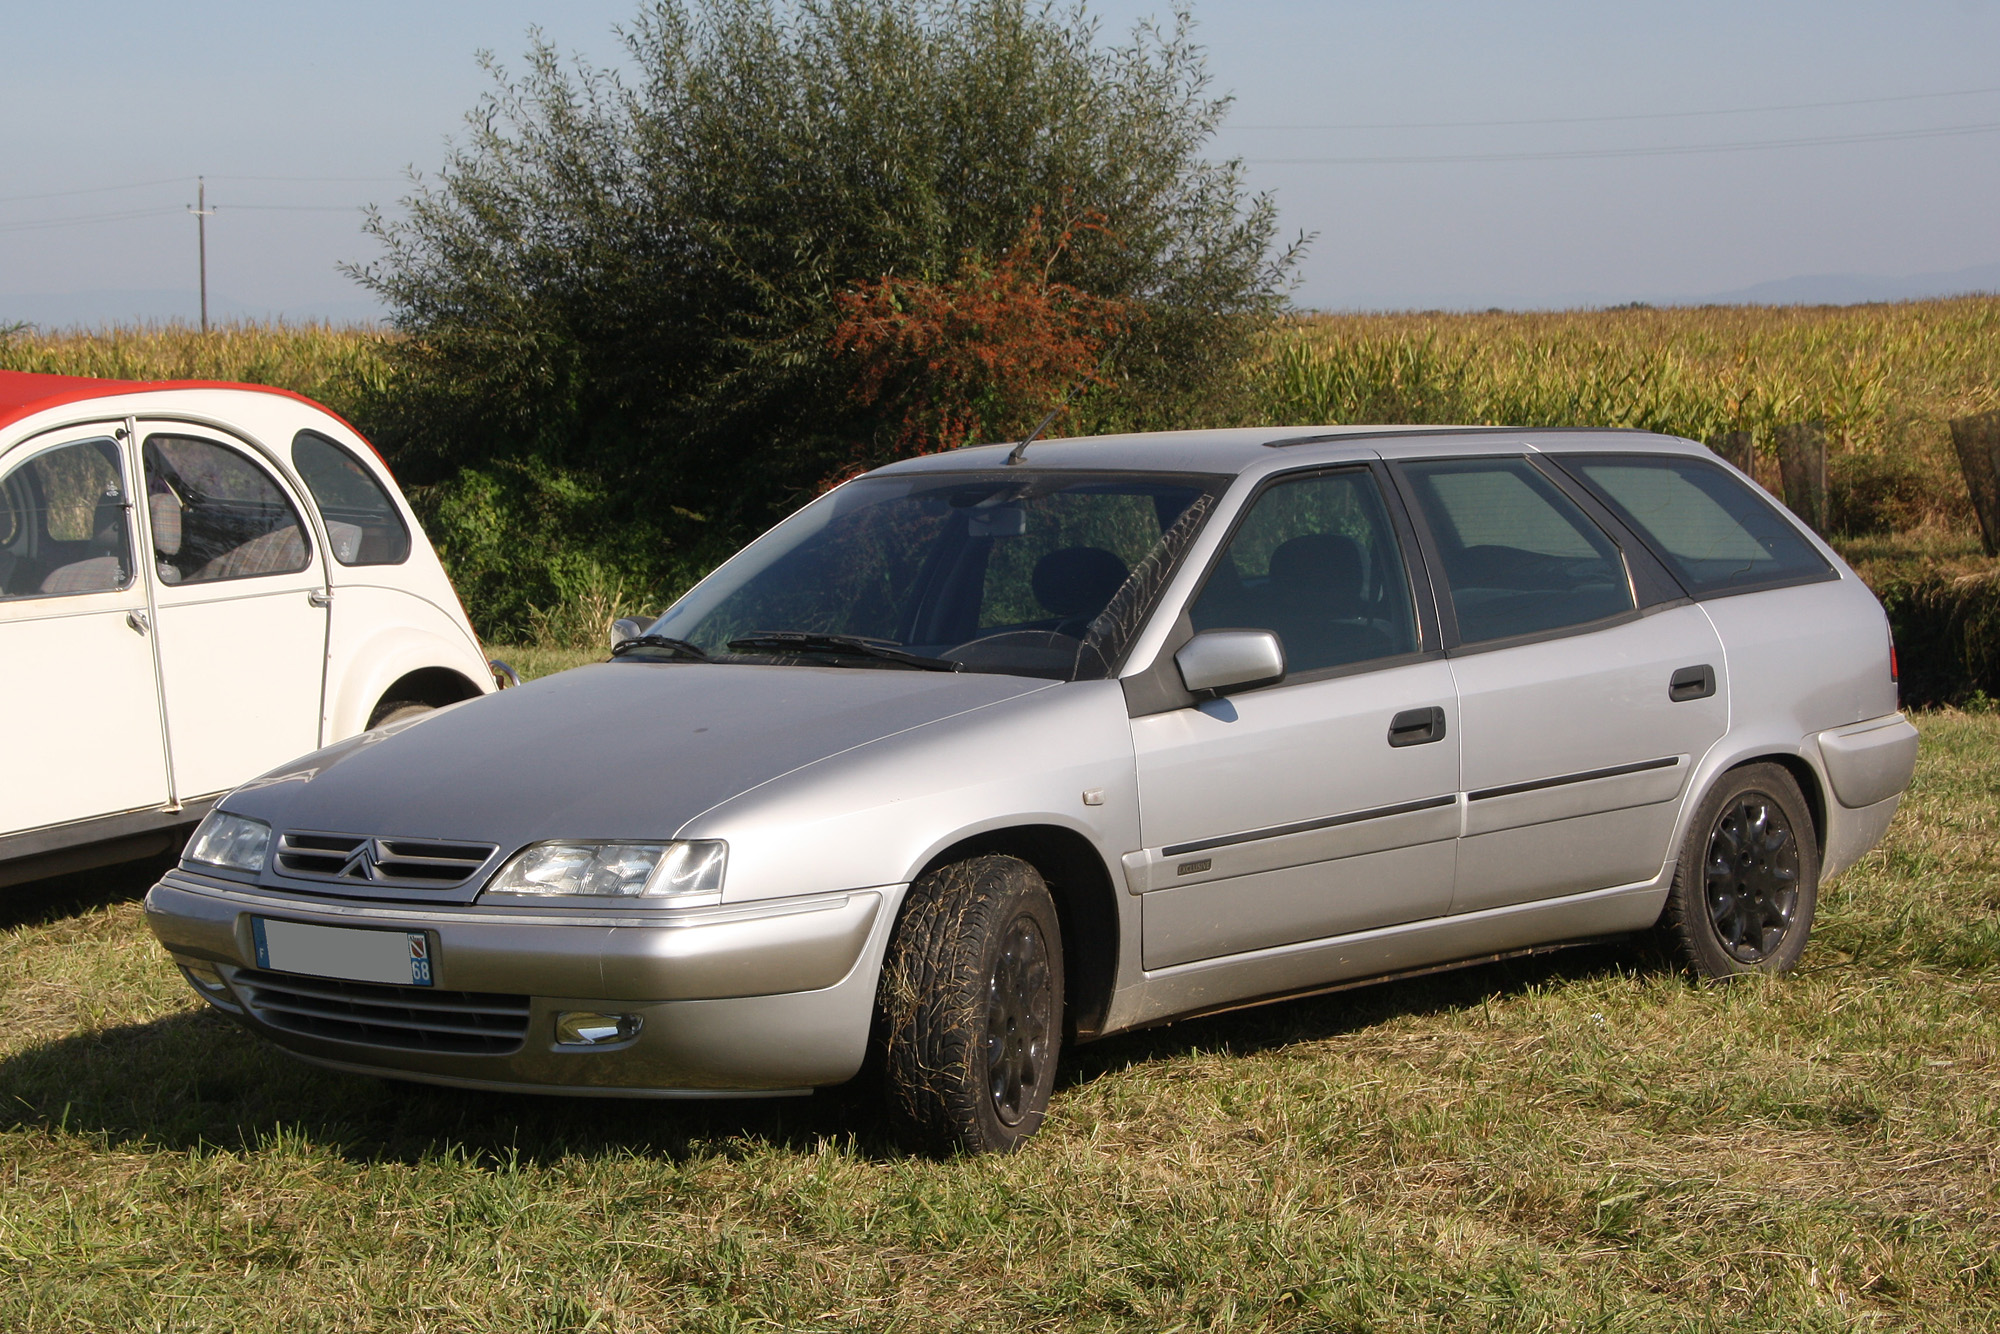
(85, 219)
(1645, 115)
(1670, 150)
(94, 190)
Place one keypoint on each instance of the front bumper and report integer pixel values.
(737, 999)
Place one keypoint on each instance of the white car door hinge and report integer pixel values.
(320, 597)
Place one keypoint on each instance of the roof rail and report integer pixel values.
(1391, 432)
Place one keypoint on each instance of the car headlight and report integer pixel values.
(617, 870)
(230, 841)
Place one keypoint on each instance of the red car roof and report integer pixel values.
(24, 393)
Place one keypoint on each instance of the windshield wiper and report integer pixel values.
(800, 641)
(679, 647)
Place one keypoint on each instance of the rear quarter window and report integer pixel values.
(1715, 533)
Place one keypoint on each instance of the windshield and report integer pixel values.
(1039, 574)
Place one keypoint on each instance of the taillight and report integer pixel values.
(1894, 674)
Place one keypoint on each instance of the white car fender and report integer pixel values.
(357, 685)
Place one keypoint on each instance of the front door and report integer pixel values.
(1583, 715)
(1323, 804)
(81, 704)
(241, 595)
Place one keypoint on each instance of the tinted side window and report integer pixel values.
(216, 515)
(1519, 557)
(362, 525)
(1316, 561)
(63, 524)
(1716, 533)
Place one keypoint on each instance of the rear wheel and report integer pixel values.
(1748, 877)
(970, 1008)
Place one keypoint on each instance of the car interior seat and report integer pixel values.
(104, 568)
(1073, 584)
(1318, 602)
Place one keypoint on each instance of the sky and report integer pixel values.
(1441, 153)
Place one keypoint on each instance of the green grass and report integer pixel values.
(1586, 1141)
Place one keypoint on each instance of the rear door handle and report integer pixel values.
(1691, 683)
(1417, 727)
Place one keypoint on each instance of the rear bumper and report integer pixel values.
(766, 997)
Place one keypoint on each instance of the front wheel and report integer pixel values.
(1748, 877)
(970, 1008)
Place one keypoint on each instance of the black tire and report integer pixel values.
(1748, 877)
(971, 1006)
(396, 711)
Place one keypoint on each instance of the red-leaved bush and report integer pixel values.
(981, 355)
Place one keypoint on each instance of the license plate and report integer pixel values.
(399, 958)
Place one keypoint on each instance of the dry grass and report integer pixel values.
(1882, 379)
(1583, 1142)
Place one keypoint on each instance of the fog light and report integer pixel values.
(587, 1028)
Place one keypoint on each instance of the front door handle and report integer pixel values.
(1417, 727)
(139, 621)
(320, 598)
(1691, 683)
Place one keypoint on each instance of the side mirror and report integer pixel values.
(625, 628)
(1218, 660)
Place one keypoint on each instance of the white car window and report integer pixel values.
(362, 525)
(216, 515)
(64, 527)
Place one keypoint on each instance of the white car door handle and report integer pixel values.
(137, 620)
(320, 597)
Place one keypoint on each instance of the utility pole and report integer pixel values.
(201, 212)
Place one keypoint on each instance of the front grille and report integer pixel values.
(472, 1023)
(413, 863)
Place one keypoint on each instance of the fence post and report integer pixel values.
(1735, 448)
(1977, 440)
(1802, 468)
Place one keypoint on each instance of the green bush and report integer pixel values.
(620, 293)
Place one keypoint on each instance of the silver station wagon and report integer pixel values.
(987, 753)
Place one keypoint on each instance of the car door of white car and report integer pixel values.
(1590, 687)
(82, 730)
(241, 596)
(1323, 804)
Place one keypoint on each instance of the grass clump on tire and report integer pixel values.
(969, 1015)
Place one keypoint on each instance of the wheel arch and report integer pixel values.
(435, 686)
(1086, 901)
(1804, 771)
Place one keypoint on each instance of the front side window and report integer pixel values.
(1316, 562)
(64, 525)
(1035, 573)
(1715, 533)
(1519, 557)
(362, 525)
(216, 515)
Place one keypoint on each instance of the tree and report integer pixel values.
(623, 294)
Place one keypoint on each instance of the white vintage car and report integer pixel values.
(272, 594)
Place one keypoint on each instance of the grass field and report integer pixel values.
(1586, 1141)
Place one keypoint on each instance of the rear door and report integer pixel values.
(82, 707)
(1294, 811)
(242, 603)
(1588, 687)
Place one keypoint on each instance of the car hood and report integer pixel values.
(625, 750)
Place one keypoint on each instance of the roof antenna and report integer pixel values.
(1014, 457)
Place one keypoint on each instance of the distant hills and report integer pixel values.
(1850, 289)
